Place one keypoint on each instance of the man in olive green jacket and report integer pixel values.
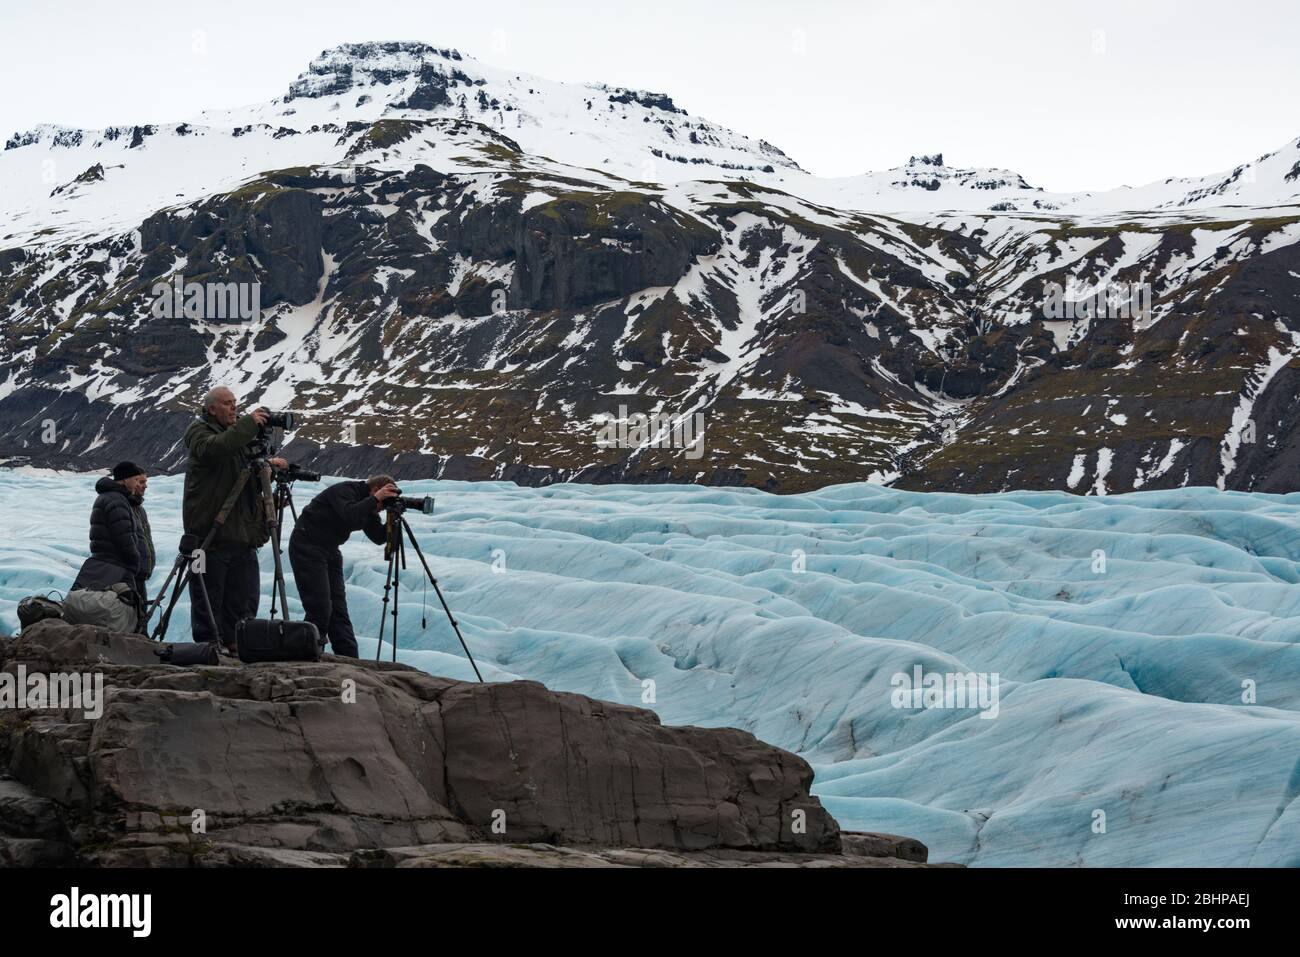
(218, 442)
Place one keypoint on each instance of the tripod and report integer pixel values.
(190, 557)
(273, 514)
(395, 555)
(281, 499)
(187, 557)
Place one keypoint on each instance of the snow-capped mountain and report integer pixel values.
(468, 272)
(631, 134)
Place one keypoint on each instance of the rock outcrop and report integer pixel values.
(374, 764)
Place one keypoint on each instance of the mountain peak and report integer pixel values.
(372, 50)
(350, 65)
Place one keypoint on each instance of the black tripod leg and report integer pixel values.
(286, 614)
(152, 606)
(181, 579)
(383, 613)
(277, 540)
(399, 562)
(207, 605)
(455, 626)
(275, 543)
(284, 496)
(277, 583)
(272, 520)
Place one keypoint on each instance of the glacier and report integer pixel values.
(1142, 647)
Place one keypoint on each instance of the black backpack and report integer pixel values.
(36, 608)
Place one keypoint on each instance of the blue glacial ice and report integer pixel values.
(1144, 645)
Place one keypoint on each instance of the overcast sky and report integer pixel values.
(1072, 95)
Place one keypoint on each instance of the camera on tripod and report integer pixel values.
(296, 473)
(401, 503)
(398, 533)
(263, 445)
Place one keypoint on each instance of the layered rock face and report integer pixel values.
(378, 764)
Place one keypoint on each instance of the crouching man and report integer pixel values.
(326, 523)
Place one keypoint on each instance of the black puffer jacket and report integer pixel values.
(116, 535)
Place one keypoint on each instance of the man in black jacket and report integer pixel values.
(326, 523)
(121, 545)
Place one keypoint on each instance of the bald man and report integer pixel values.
(218, 445)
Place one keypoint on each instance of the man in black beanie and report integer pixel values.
(121, 543)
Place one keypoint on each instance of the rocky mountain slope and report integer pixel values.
(369, 764)
(469, 273)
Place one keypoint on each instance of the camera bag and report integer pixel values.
(261, 639)
(185, 655)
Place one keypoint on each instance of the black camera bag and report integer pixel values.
(186, 655)
(260, 639)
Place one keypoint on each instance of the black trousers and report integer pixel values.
(318, 573)
(234, 581)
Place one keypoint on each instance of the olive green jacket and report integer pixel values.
(216, 461)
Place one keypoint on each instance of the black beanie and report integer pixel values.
(125, 470)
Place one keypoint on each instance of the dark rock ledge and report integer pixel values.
(416, 771)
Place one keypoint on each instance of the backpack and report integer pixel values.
(36, 608)
(112, 609)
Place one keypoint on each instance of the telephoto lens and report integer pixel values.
(422, 504)
(296, 473)
(280, 420)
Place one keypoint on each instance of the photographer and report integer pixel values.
(326, 523)
(121, 544)
(218, 454)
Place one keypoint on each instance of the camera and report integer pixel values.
(264, 444)
(401, 503)
(279, 420)
(296, 473)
